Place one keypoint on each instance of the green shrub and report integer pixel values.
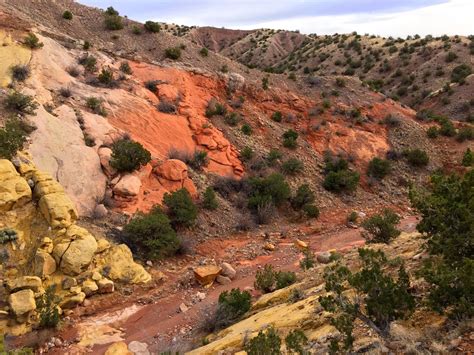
(32, 41)
(304, 196)
(432, 132)
(265, 82)
(199, 160)
(12, 138)
(448, 223)
(246, 154)
(277, 116)
(272, 188)
(204, 52)
(296, 342)
(292, 166)
(113, 22)
(20, 72)
(20, 103)
(284, 279)
(451, 56)
(246, 129)
(87, 45)
(125, 68)
(378, 168)
(67, 15)
(47, 307)
(447, 128)
(128, 155)
(136, 30)
(468, 158)
(209, 199)
(215, 108)
(380, 299)
(352, 217)
(152, 234)
(417, 157)
(111, 11)
(273, 156)
(290, 139)
(459, 73)
(152, 26)
(231, 306)
(465, 134)
(181, 209)
(89, 62)
(341, 181)
(311, 211)
(265, 343)
(106, 77)
(308, 261)
(382, 227)
(232, 119)
(95, 105)
(173, 53)
(268, 280)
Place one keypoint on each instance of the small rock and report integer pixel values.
(89, 287)
(201, 296)
(269, 247)
(228, 270)
(206, 275)
(100, 211)
(105, 286)
(22, 302)
(149, 263)
(138, 348)
(223, 280)
(300, 244)
(324, 257)
(183, 308)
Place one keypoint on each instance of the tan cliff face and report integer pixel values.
(49, 248)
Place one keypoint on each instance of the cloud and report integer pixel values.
(385, 17)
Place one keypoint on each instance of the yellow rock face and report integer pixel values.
(10, 54)
(119, 261)
(119, 348)
(14, 190)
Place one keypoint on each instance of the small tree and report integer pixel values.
(379, 298)
(152, 26)
(269, 280)
(20, 103)
(152, 234)
(113, 22)
(48, 308)
(12, 138)
(290, 139)
(128, 155)
(296, 342)
(272, 188)
(265, 343)
(468, 158)
(67, 15)
(181, 209)
(378, 168)
(231, 306)
(417, 157)
(308, 261)
(382, 227)
(173, 53)
(304, 196)
(209, 199)
(292, 166)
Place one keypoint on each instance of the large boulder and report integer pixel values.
(128, 186)
(206, 275)
(173, 170)
(14, 190)
(105, 154)
(117, 264)
(22, 302)
(33, 283)
(74, 250)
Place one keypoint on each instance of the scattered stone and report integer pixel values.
(201, 296)
(324, 257)
(138, 348)
(228, 270)
(223, 280)
(300, 244)
(106, 286)
(206, 275)
(183, 308)
(269, 247)
(89, 287)
(22, 302)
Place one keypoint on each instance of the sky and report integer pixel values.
(380, 17)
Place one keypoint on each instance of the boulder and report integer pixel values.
(100, 211)
(119, 348)
(223, 280)
(105, 286)
(207, 274)
(33, 283)
(89, 287)
(138, 348)
(118, 261)
(72, 300)
(22, 302)
(301, 245)
(173, 170)
(324, 257)
(14, 190)
(228, 270)
(74, 251)
(43, 264)
(128, 186)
